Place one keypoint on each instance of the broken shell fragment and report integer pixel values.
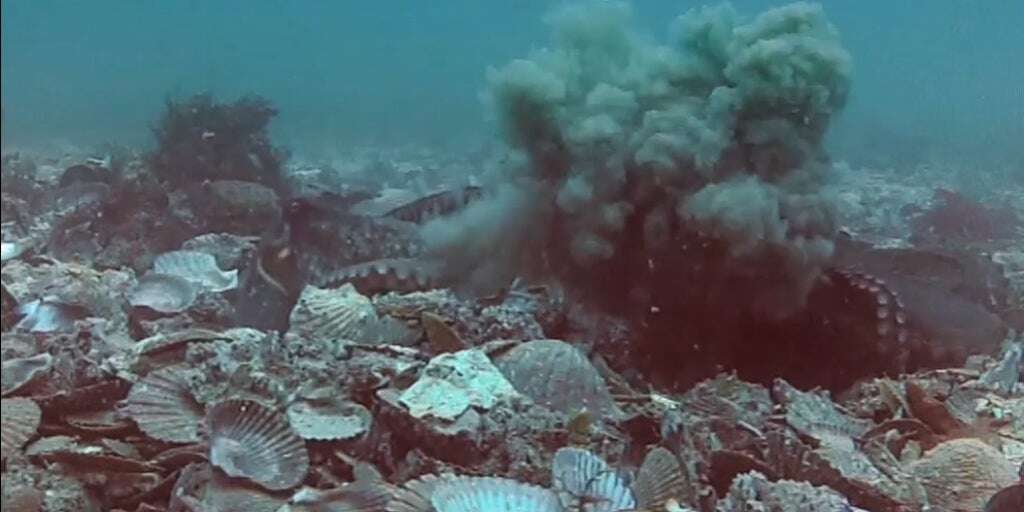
(198, 267)
(49, 315)
(18, 373)
(163, 293)
(10, 251)
(333, 421)
(20, 420)
(251, 441)
(164, 408)
(101, 456)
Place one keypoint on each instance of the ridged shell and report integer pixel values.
(817, 417)
(555, 374)
(249, 440)
(20, 421)
(330, 421)
(163, 293)
(164, 408)
(334, 314)
(225, 494)
(961, 475)
(415, 495)
(18, 373)
(659, 479)
(476, 494)
(198, 267)
(582, 477)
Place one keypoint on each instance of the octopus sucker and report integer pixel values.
(389, 275)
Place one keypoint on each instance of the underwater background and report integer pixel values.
(530, 256)
(941, 78)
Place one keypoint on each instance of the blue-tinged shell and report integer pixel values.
(586, 482)
(477, 494)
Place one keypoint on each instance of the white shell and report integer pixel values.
(582, 477)
(48, 315)
(198, 267)
(10, 250)
(556, 375)
(225, 494)
(19, 423)
(249, 440)
(476, 494)
(163, 293)
(334, 314)
(330, 421)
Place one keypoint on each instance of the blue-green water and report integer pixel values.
(931, 77)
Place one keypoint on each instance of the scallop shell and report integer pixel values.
(359, 496)
(475, 494)
(49, 315)
(198, 267)
(77, 454)
(164, 408)
(18, 373)
(659, 480)
(225, 494)
(249, 440)
(163, 293)
(329, 421)
(415, 495)
(816, 416)
(334, 314)
(960, 475)
(555, 374)
(20, 420)
(582, 477)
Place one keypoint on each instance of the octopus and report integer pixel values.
(436, 205)
(872, 312)
(390, 275)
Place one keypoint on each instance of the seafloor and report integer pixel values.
(152, 360)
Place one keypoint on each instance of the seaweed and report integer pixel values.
(200, 139)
